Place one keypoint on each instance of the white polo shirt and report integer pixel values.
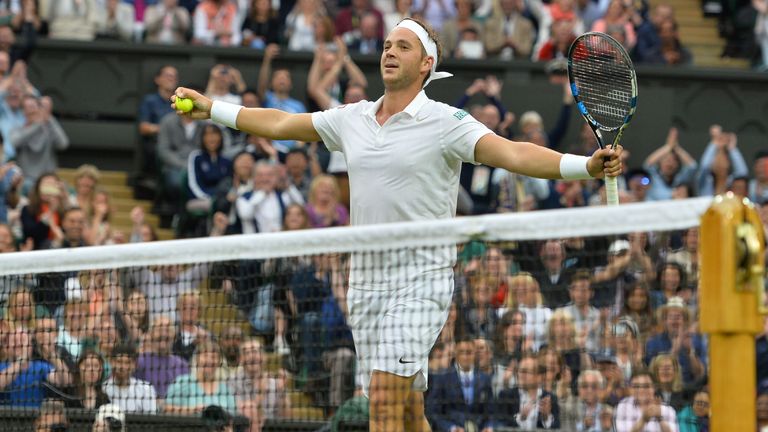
(406, 170)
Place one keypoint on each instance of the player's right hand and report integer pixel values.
(202, 108)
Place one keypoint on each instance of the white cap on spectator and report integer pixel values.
(618, 246)
(111, 411)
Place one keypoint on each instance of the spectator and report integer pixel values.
(263, 209)
(98, 230)
(565, 356)
(758, 186)
(162, 284)
(117, 21)
(11, 114)
(72, 229)
(89, 395)
(557, 45)
(221, 83)
(433, 12)
(695, 417)
(22, 379)
(37, 142)
(156, 364)
(324, 87)
(191, 393)
(261, 26)
(670, 51)
(323, 204)
(679, 340)
(52, 417)
(296, 218)
(510, 342)
(618, 14)
(611, 280)
(109, 418)
(297, 167)
(555, 273)
(721, 162)
(86, 181)
(349, 21)
(73, 329)
(401, 11)
(301, 26)
(260, 394)
(508, 33)
(216, 23)
(278, 94)
(648, 39)
(141, 232)
(586, 318)
(72, 19)
(135, 317)
(582, 412)
(154, 106)
(130, 394)
(615, 384)
(624, 346)
(369, 42)
(167, 23)
(178, 137)
(207, 169)
(525, 290)
(21, 310)
(189, 332)
(27, 22)
(688, 255)
(230, 339)
(671, 282)
(461, 395)
(41, 218)
(479, 316)
(668, 378)
(669, 167)
(642, 411)
(454, 27)
(528, 406)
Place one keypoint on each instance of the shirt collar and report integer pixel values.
(411, 109)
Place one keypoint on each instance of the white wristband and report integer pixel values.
(573, 167)
(225, 113)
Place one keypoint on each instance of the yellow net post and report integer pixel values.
(732, 303)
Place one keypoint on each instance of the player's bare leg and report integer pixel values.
(415, 420)
(388, 397)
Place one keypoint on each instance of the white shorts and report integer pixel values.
(395, 329)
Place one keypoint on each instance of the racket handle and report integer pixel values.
(611, 191)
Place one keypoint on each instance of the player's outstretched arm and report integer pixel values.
(536, 161)
(264, 122)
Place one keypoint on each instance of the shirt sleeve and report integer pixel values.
(461, 132)
(328, 125)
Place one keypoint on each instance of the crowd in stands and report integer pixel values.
(472, 29)
(546, 335)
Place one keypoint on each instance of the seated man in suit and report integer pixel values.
(528, 406)
(462, 395)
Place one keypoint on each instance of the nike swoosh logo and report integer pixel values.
(405, 362)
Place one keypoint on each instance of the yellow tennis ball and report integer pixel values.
(184, 104)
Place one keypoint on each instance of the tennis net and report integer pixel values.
(259, 325)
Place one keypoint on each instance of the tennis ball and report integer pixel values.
(184, 104)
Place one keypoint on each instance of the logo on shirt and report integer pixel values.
(460, 114)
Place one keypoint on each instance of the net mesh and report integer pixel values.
(529, 320)
(602, 74)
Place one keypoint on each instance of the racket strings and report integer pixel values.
(604, 80)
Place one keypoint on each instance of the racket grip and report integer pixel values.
(611, 191)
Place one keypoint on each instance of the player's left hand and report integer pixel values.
(605, 162)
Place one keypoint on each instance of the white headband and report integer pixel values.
(429, 46)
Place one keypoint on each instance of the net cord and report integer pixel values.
(538, 225)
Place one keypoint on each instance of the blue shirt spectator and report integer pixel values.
(11, 117)
(26, 389)
(720, 164)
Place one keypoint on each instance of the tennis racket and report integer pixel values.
(604, 86)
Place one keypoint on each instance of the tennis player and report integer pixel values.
(404, 153)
